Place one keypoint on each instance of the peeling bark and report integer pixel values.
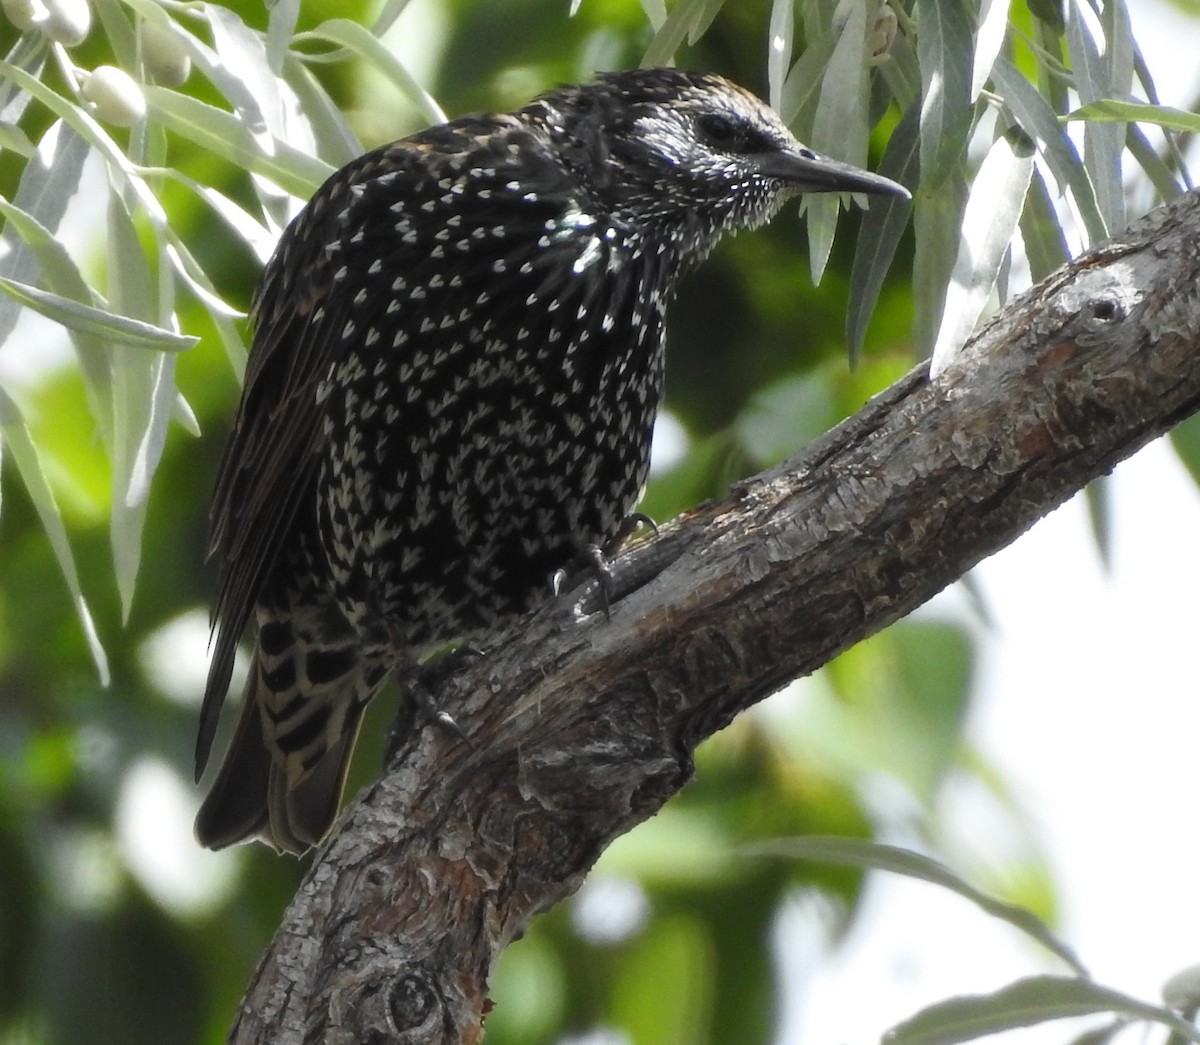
(580, 727)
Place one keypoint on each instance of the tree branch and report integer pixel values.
(580, 727)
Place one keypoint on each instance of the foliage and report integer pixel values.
(137, 210)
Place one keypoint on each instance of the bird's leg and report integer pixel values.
(422, 682)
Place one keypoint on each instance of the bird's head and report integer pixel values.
(691, 149)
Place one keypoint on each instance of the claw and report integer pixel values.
(442, 719)
(629, 526)
(594, 561)
(422, 683)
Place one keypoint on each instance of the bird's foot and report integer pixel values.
(422, 683)
(589, 565)
(594, 563)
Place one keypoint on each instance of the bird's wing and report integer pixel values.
(269, 465)
(268, 470)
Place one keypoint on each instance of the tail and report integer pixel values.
(281, 780)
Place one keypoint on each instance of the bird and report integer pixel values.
(456, 363)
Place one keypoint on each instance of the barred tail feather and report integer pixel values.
(282, 777)
(235, 808)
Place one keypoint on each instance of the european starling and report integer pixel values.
(456, 363)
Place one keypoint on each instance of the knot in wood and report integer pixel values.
(1100, 299)
(396, 1005)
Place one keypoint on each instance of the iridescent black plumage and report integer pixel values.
(457, 361)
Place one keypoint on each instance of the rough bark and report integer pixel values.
(580, 726)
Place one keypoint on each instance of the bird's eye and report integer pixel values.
(719, 130)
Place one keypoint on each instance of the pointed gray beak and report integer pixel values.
(808, 172)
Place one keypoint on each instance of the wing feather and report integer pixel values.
(268, 473)
(268, 470)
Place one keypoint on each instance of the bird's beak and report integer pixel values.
(808, 172)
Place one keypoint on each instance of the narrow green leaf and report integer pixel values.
(354, 36)
(1051, 71)
(1084, 50)
(188, 269)
(1120, 47)
(656, 12)
(1050, 12)
(392, 10)
(15, 434)
(1120, 50)
(281, 26)
(1041, 123)
(1045, 244)
(994, 206)
(670, 35)
(131, 292)
(29, 53)
(944, 50)
(14, 139)
(49, 180)
(1146, 79)
(1110, 110)
(154, 378)
(143, 390)
(703, 19)
(197, 281)
(802, 87)
(1153, 166)
(902, 72)
(222, 133)
(119, 32)
(1037, 999)
(151, 11)
(1098, 494)
(242, 72)
(936, 221)
(257, 237)
(839, 130)
(184, 416)
(779, 49)
(855, 852)
(336, 140)
(238, 68)
(96, 321)
(989, 38)
(880, 231)
(1105, 1035)
(816, 19)
(1103, 68)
